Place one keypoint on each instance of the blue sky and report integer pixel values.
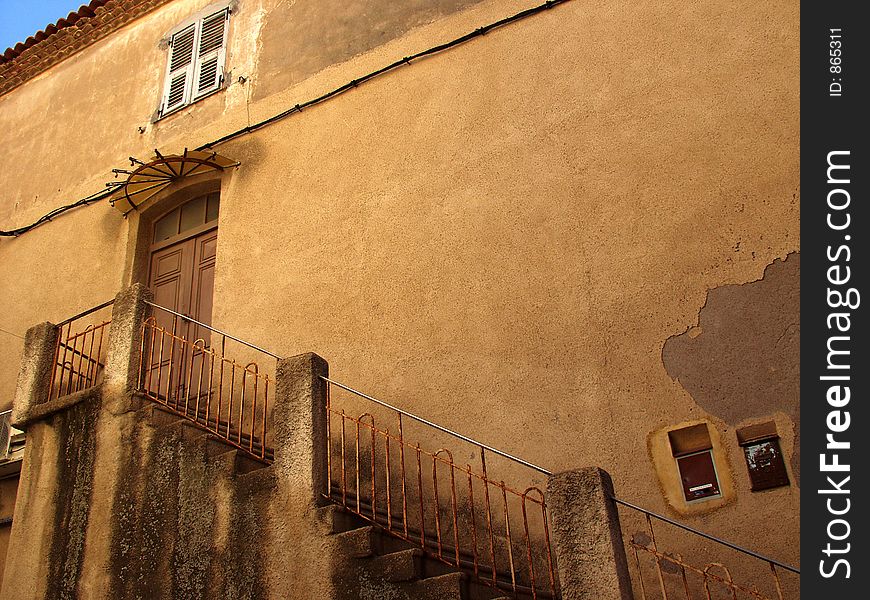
(22, 18)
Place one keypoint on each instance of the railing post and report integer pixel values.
(34, 374)
(300, 424)
(586, 536)
(122, 360)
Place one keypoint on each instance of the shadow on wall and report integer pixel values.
(743, 358)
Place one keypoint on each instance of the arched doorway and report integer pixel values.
(181, 267)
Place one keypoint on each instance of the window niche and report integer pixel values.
(763, 455)
(692, 467)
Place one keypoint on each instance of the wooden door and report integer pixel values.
(182, 279)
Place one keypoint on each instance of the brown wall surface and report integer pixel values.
(502, 238)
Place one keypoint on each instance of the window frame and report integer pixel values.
(772, 475)
(193, 70)
(692, 442)
(182, 235)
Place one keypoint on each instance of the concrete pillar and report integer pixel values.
(300, 424)
(125, 338)
(34, 374)
(587, 537)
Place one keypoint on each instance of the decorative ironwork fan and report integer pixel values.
(150, 178)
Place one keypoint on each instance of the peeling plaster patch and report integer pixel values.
(742, 360)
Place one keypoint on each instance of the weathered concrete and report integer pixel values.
(8, 489)
(163, 520)
(123, 358)
(26, 570)
(297, 540)
(116, 439)
(251, 539)
(300, 423)
(75, 429)
(115, 505)
(587, 537)
(43, 410)
(34, 375)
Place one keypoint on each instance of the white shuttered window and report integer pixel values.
(197, 55)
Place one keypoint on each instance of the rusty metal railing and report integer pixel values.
(457, 514)
(185, 366)
(462, 516)
(80, 351)
(703, 574)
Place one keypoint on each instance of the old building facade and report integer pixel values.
(572, 237)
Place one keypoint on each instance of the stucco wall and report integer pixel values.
(501, 237)
(505, 256)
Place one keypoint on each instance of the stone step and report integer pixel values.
(160, 415)
(182, 428)
(339, 519)
(213, 448)
(260, 479)
(394, 541)
(442, 587)
(240, 462)
(362, 542)
(152, 413)
(396, 560)
(405, 565)
(336, 519)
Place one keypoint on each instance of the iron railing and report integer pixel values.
(458, 514)
(702, 574)
(461, 515)
(185, 366)
(80, 351)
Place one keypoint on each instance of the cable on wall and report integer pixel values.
(95, 197)
(480, 31)
(20, 337)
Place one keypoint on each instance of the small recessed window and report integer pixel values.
(195, 65)
(693, 451)
(764, 460)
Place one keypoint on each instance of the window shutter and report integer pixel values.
(211, 53)
(180, 70)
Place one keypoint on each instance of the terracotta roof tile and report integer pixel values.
(86, 10)
(67, 36)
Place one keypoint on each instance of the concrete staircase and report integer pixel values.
(383, 567)
(122, 497)
(184, 499)
(193, 473)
